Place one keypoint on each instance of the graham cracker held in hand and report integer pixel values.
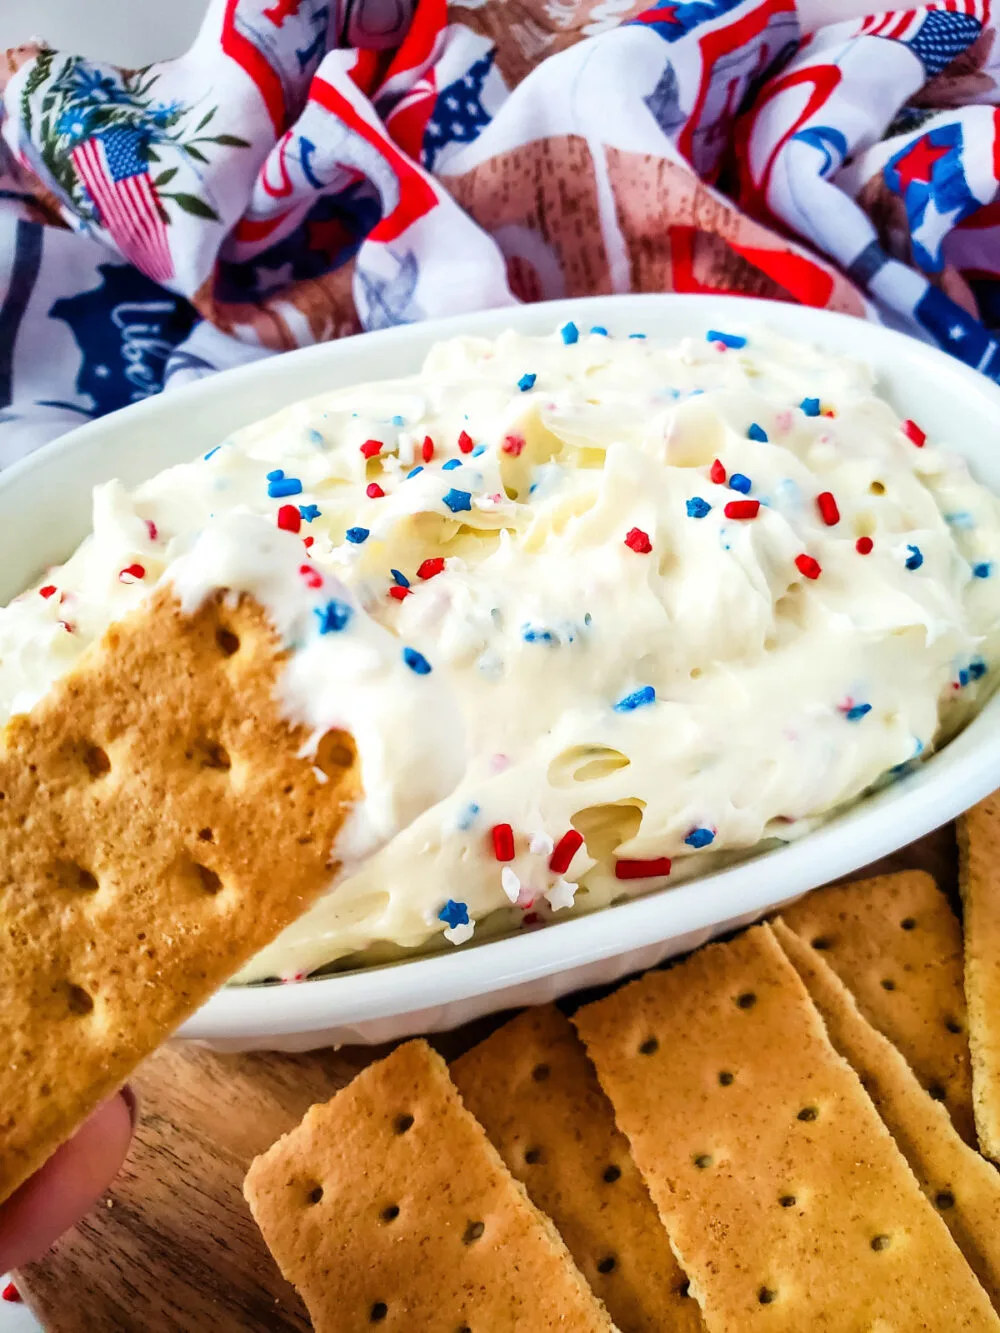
(532, 1088)
(157, 828)
(389, 1208)
(961, 1185)
(786, 1200)
(897, 945)
(979, 882)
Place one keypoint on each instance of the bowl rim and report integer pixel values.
(963, 772)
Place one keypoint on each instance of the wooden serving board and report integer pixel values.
(172, 1247)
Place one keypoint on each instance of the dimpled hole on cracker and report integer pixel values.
(95, 760)
(209, 753)
(228, 641)
(335, 753)
(75, 877)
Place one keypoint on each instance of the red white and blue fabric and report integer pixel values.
(312, 168)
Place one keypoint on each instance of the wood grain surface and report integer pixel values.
(172, 1248)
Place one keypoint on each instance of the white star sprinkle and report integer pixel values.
(459, 934)
(561, 894)
(541, 844)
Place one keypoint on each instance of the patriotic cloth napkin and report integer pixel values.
(312, 168)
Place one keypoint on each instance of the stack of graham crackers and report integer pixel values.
(779, 1132)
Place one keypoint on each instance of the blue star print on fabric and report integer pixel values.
(458, 115)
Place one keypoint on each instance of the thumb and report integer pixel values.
(69, 1183)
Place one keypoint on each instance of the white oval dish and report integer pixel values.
(45, 512)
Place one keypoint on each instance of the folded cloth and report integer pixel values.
(308, 170)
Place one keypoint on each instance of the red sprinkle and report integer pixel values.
(11, 1293)
(47, 591)
(152, 529)
(564, 851)
(307, 542)
(913, 432)
(427, 449)
(132, 574)
(374, 491)
(312, 576)
(660, 865)
(806, 565)
(638, 541)
(742, 509)
(399, 592)
(371, 447)
(432, 565)
(513, 444)
(503, 842)
(289, 518)
(828, 510)
(465, 442)
(864, 545)
(717, 473)
(829, 412)
(530, 919)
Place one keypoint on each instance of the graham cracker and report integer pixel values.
(979, 883)
(157, 828)
(532, 1088)
(897, 945)
(786, 1199)
(389, 1207)
(961, 1185)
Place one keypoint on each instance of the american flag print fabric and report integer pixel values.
(313, 168)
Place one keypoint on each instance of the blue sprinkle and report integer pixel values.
(637, 699)
(727, 339)
(530, 635)
(982, 570)
(739, 482)
(357, 535)
(588, 619)
(398, 421)
(277, 490)
(400, 578)
(637, 335)
(570, 333)
(915, 559)
(333, 617)
(857, 712)
(309, 512)
(757, 433)
(479, 449)
(697, 507)
(276, 475)
(810, 406)
(526, 382)
(454, 914)
(413, 472)
(599, 328)
(315, 437)
(700, 837)
(963, 678)
(451, 465)
(468, 816)
(212, 452)
(416, 662)
(457, 500)
(963, 519)
(977, 669)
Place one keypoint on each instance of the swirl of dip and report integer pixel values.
(685, 600)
